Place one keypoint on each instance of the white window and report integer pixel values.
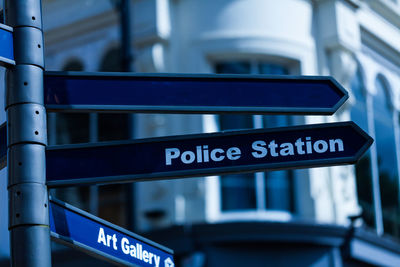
(264, 194)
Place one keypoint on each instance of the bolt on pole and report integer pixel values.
(27, 138)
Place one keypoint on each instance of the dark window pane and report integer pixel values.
(113, 127)
(234, 122)
(363, 167)
(233, 67)
(359, 109)
(113, 199)
(278, 187)
(112, 61)
(387, 159)
(238, 192)
(365, 190)
(76, 196)
(278, 184)
(276, 121)
(72, 128)
(73, 65)
(272, 69)
(112, 204)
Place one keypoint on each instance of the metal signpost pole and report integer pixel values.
(27, 138)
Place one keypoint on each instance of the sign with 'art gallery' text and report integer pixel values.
(90, 234)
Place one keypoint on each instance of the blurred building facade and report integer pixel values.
(338, 216)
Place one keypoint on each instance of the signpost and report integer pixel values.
(179, 93)
(32, 165)
(6, 46)
(26, 134)
(101, 239)
(206, 154)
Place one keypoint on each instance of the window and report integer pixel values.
(115, 200)
(259, 191)
(377, 171)
(71, 128)
(363, 167)
(112, 61)
(278, 185)
(110, 202)
(237, 190)
(73, 65)
(113, 126)
(386, 157)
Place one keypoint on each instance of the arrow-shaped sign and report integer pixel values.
(99, 238)
(75, 91)
(6, 45)
(207, 154)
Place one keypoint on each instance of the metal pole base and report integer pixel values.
(33, 243)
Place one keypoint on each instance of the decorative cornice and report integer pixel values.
(81, 27)
(386, 9)
(353, 3)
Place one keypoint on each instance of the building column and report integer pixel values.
(338, 34)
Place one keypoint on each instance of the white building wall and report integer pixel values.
(322, 37)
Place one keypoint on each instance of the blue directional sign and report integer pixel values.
(99, 238)
(207, 154)
(75, 91)
(6, 45)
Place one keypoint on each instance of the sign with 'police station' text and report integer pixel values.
(76, 228)
(207, 154)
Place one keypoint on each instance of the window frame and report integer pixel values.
(388, 94)
(213, 198)
(369, 78)
(92, 198)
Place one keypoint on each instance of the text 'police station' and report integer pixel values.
(260, 149)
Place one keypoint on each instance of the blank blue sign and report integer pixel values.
(206, 154)
(74, 91)
(83, 231)
(6, 45)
